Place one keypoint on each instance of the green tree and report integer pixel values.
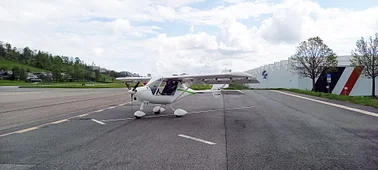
(22, 74)
(2, 50)
(8, 50)
(312, 57)
(78, 72)
(3, 68)
(57, 76)
(28, 70)
(11, 54)
(16, 73)
(74, 67)
(97, 75)
(26, 55)
(366, 55)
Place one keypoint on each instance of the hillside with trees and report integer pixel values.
(23, 62)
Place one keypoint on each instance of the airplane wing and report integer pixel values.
(219, 78)
(130, 79)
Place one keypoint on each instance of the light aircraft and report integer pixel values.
(168, 90)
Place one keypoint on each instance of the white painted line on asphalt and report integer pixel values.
(97, 121)
(124, 104)
(27, 130)
(112, 107)
(86, 114)
(239, 108)
(165, 115)
(331, 104)
(98, 111)
(59, 121)
(213, 110)
(6, 134)
(197, 139)
(154, 116)
(115, 120)
(204, 111)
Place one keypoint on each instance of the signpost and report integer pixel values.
(328, 82)
(264, 75)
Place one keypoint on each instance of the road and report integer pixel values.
(25, 107)
(258, 130)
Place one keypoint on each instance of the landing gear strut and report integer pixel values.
(178, 112)
(139, 114)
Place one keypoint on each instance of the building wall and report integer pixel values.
(280, 75)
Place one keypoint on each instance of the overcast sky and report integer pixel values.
(192, 36)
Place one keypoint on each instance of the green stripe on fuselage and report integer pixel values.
(186, 91)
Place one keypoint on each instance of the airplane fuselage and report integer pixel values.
(146, 94)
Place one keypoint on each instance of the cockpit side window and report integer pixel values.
(159, 87)
(170, 87)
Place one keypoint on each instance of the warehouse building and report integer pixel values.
(347, 80)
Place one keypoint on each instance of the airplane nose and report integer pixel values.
(131, 92)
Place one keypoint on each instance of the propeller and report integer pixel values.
(127, 85)
(132, 92)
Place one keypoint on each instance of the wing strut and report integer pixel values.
(184, 90)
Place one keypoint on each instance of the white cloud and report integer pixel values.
(287, 21)
(234, 1)
(118, 34)
(98, 51)
(216, 15)
(191, 28)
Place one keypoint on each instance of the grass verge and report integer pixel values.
(23, 84)
(75, 85)
(362, 100)
(12, 83)
(201, 87)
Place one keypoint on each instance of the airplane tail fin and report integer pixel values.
(217, 87)
(221, 86)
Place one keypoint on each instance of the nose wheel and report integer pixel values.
(139, 114)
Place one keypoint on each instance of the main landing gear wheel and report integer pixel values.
(158, 109)
(179, 112)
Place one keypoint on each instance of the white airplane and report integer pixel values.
(168, 90)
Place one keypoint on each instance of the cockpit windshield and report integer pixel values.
(154, 86)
